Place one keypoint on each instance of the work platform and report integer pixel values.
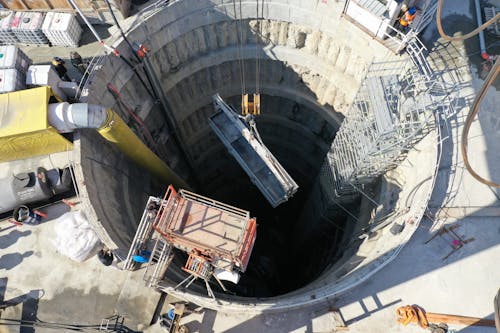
(244, 143)
(217, 238)
(191, 222)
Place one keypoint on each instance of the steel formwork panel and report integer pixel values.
(257, 161)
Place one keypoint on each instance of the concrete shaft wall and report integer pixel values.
(308, 55)
(311, 65)
(113, 190)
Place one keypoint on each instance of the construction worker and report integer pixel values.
(407, 18)
(77, 62)
(105, 256)
(61, 70)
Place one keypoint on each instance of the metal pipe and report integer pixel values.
(66, 118)
(92, 28)
(482, 43)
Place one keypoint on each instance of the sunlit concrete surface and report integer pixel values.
(36, 282)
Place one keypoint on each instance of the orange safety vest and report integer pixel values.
(406, 19)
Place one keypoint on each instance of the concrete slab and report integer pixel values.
(39, 283)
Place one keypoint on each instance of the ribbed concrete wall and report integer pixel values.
(113, 190)
(308, 54)
(312, 63)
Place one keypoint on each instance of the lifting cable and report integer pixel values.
(239, 28)
(474, 110)
(139, 60)
(258, 35)
(110, 48)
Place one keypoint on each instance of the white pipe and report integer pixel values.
(67, 117)
(482, 43)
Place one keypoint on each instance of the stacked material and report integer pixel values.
(6, 34)
(62, 29)
(96, 11)
(11, 80)
(13, 57)
(27, 26)
(13, 66)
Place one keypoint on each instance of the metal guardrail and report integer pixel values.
(215, 204)
(93, 66)
(143, 233)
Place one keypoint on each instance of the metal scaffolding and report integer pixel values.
(391, 112)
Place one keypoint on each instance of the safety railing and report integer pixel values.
(143, 233)
(215, 204)
(93, 66)
(379, 23)
(167, 211)
(391, 112)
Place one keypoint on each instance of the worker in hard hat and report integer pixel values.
(77, 62)
(61, 70)
(406, 18)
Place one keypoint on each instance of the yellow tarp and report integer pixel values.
(24, 128)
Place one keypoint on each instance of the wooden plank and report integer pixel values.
(36, 4)
(60, 4)
(462, 320)
(48, 4)
(14, 4)
(84, 5)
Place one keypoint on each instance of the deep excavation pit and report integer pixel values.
(311, 64)
(278, 260)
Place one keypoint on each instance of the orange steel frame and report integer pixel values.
(169, 205)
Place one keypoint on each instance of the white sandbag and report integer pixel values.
(74, 237)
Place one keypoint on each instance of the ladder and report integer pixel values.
(160, 259)
(143, 233)
(417, 52)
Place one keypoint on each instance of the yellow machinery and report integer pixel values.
(24, 127)
(250, 107)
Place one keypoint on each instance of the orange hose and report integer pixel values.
(466, 36)
(412, 314)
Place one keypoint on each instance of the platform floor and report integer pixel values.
(208, 227)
